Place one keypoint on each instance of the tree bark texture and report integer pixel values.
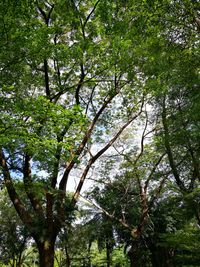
(46, 253)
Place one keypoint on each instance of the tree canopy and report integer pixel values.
(75, 78)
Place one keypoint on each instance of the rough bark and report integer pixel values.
(46, 253)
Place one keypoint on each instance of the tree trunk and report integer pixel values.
(133, 261)
(68, 260)
(46, 253)
(108, 253)
(134, 253)
(160, 257)
(19, 263)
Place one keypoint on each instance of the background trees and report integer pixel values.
(14, 235)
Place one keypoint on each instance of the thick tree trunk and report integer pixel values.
(160, 257)
(135, 253)
(46, 253)
(134, 257)
(133, 261)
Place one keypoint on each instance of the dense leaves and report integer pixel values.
(83, 79)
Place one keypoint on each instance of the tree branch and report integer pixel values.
(153, 171)
(22, 212)
(46, 76)
(111, 216)
(45, 16)
(169, 151)
(63, 182)
(79, 85)
(99, 153)
(29, 188)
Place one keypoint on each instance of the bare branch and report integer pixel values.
(81, 147)
(90, 99)
(155, 196)
(153, 171)
(142, 140)
(111, 216)
(99, 153)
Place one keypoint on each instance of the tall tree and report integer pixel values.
(178, 98)
(67, 68)
(128, 198)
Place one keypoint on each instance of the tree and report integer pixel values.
(74, 248)
(177, 98)
(100, 230)
(14, 235)
(92, 245)
(128, 198)
(174, 76)
(175, 236)
(67, 69)
(71, 81)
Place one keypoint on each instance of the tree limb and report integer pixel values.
(79, 85)
(29, 188)
(63, 182)
(24, 215)
(99, 153)
(169, 151)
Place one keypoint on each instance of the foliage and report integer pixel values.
(175, 232)
(73, 76)
(14, 235)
